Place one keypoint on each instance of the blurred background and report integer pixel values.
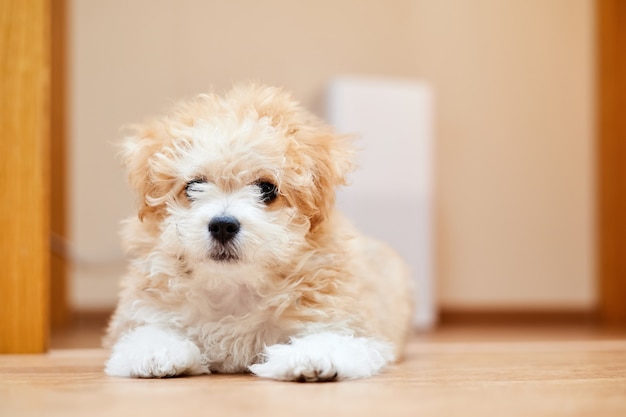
(491, 135)
(513, 91)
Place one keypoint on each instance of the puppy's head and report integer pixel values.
(245, 178)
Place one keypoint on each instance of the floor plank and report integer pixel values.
(448, 373)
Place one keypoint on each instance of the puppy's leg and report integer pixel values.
(153, 352)
(324, 357)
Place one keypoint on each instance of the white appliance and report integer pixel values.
(391, 192)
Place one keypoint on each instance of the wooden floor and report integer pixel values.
(546, 371)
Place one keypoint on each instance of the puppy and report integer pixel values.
(239, 261)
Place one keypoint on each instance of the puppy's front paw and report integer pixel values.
(151, 352)
(324, 357)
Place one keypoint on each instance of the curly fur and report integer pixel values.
(300, 269)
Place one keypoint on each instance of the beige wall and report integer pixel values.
(515, 162)
(514, 88)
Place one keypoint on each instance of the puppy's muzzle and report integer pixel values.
(224, 228)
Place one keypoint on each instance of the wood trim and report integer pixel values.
(58, 161)
(24, 161)
(503, 316)
(611, 154)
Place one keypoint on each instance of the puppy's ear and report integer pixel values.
(327, 157)
(145, 156)
(317, 160)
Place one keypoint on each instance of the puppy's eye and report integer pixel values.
(192, 187)
(269, 191)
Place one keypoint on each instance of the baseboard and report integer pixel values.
(503, 316)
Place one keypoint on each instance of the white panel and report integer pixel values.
(390, 196)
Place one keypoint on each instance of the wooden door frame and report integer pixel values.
(59, 163)
(611, 160)
(24, 175)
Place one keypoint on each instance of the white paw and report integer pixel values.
(151, 352)
(324, 357)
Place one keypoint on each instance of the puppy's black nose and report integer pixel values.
(224, 228)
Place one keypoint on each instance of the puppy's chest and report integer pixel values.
(215, 293)
(232, 301)
(234, 328)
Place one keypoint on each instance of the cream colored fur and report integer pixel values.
(302, 296)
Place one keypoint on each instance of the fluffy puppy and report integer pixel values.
(239, 261)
